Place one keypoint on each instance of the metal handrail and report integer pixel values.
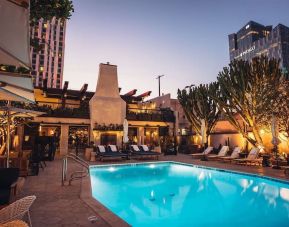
(73, 176)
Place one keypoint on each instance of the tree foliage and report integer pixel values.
(248, 90)
(198, 104)
(47, 9)
(281, 107)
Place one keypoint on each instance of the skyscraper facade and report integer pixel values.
(255, 39)
(48, 62)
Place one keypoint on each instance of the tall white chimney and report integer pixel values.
(106, 106)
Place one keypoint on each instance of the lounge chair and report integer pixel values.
(234, 155)
(222, 153)
(145, 148)
(104, 154)
(207, 151)
(251, 159)
(138, 153)
(17, 210)
(115, 150)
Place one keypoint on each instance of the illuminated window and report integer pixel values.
(45, 25)
(41, 69)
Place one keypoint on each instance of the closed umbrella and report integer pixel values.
(125, 131)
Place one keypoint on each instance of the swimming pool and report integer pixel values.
(177, 194)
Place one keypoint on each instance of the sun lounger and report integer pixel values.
(138, 153)
(222, 153)
(113, 148)
(205, 152)
(145, 148)
(103, 154)
(234, 155)
(251, 159)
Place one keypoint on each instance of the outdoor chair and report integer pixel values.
(251, 159)
(113, 148)
(104, 154)
(138, 153)
(145, 148)
(222, 153)
(234, 155)
(8, 180)
(207, 151)
(17, 210)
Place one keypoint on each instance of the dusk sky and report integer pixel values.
(186, 40)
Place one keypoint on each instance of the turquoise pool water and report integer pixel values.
(175, 194)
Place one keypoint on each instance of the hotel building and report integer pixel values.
(98, 116)
(48, 62)
(254, 40)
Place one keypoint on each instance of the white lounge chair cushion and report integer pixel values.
(145, 148)
(223, 151)
(208, 150)
(253, 153)
(235, 153)
(113, 148)
(101, 148)
(135, 147)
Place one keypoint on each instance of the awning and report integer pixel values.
(15, 87)
(14, 38)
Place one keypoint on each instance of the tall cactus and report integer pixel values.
(281, 106)
(198, 104)
(248, 90)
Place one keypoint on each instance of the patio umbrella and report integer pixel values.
(203, 132)
(15, 87)
(125, 131)
(14, 27)
(7, 113)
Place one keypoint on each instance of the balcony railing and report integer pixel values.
(161, 115)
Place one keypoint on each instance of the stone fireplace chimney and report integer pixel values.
(106, 106)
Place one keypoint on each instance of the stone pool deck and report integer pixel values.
(58, 205)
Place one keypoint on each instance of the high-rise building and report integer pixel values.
(255, 39)
(48, 62)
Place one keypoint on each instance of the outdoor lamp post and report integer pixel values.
(159, 79)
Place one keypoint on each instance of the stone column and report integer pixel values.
(64, 140)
